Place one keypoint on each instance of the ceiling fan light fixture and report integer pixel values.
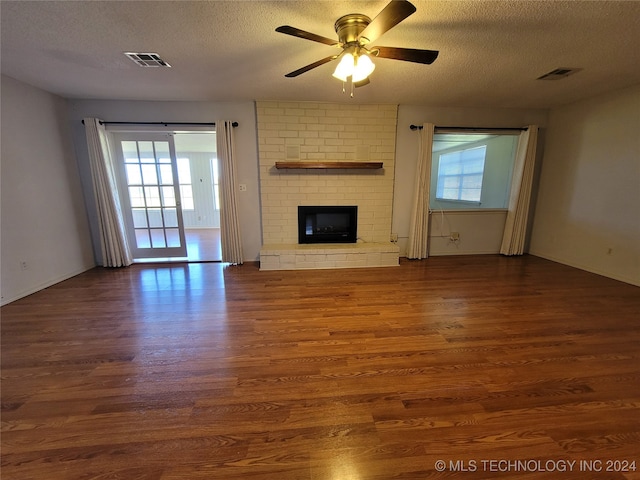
(358, 67)
(345, 68)
(363, 68)
(356, 32)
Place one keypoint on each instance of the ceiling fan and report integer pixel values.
(355, 33)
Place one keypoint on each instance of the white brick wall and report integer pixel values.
(326, 132)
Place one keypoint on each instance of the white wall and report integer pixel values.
(480, 232)
(203, 215)
(44, 221)
(136, 111)
(588, 207)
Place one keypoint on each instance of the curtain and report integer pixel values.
(419, 226)
(230, 239)
(515, 228)
(113, 241)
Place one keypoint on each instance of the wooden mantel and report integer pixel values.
(327, 165)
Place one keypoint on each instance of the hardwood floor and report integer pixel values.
(500, 367)
(203, 244)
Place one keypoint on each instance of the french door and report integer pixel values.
(151, 194)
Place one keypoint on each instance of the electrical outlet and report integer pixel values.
(243, 187)
(394, 237)
(24, 266)
(454, 236)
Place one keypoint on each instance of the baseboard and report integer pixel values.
(586, 268)
(42, 286)
(463, 252)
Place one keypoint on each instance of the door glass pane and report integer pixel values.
(149, 175)
(166, 174)
(170, 217)
(130, 151)
(133, 174)
(162, 152)
(152, 195)
(146, 152)
(157, 239)
(136, 197)
(168, 196)
(173, 237)
(139, 218)
(142, 239)
(155, 218)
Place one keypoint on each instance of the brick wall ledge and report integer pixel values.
(325, 255)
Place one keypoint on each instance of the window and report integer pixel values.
(216, 182)
(184, 178)
(471, 170)
(460, 174)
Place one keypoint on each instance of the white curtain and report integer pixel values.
(230, 239)
(113, 241)
(515, 228)
(419, 227)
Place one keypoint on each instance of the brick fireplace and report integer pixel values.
(333, 144)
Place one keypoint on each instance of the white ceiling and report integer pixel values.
(491, 52)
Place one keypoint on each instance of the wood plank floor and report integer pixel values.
(500, 367)
(203, 244)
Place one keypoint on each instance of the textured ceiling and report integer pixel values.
(491, 52)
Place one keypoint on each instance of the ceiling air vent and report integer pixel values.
(147, 59)
(559, 73)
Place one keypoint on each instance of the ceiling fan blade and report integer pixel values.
(296, 32)
(407, 54)
(302, 70)
(391, 15)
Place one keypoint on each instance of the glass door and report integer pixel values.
(151, 195)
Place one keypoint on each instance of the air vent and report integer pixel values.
(559, 73)
(147, 59)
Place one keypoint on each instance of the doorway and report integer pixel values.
(169, 185)
(198, 175)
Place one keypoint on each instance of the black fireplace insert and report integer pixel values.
(327, 224)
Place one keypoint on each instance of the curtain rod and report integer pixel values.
(166, 124)
(419, 127)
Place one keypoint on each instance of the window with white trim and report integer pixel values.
(471, 170)
(460, 174)
(186, 188)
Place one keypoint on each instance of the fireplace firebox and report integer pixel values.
(327, 224)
